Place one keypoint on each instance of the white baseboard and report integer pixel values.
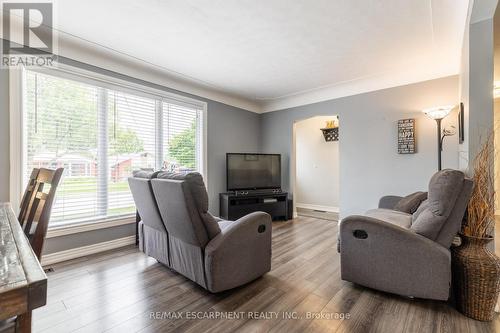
(318, 207)
(52, 258)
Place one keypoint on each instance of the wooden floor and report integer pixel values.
(125, 291)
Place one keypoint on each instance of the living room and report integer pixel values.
(271, 166)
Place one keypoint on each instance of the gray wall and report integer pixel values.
(228, 132)
(476, 79)
(476, 84)
(480, 84)
(369, 164)
(67, 242)
(229, 129)
(463, 158)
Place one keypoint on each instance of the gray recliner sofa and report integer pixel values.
(177, 230)
(407, 254)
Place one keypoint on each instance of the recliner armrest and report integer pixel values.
(388, 257)
(377, 229)
(216, 218)
(240, 253)
(389, 201)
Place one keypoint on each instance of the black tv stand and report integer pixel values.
(234, 205)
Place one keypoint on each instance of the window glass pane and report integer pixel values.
(181, 138)
(61, 131)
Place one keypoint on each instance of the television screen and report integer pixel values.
(253, 171)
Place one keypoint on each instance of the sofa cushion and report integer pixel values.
(444, 188)
(146, 174)
(391, 216)
(410, 203)
(200, 196)
(423, 206)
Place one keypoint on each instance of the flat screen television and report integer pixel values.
(253, 171)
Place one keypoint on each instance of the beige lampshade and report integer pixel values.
(438, 112)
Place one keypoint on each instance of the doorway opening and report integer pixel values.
(315, 167)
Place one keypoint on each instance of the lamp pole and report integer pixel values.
(440, 142)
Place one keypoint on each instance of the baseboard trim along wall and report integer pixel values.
(52, 258)
(318, 207)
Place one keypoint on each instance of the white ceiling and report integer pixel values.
(279, 53)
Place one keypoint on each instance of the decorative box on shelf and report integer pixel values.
(331, 134)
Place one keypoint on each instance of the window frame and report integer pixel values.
(18, 137)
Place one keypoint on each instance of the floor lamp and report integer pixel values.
(438, 113)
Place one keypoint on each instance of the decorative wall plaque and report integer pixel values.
(406, 136)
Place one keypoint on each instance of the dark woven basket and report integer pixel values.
(476, 276)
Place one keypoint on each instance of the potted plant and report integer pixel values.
(476, 269)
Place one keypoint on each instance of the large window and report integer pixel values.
(100, 133)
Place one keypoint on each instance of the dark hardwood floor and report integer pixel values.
(125, 291)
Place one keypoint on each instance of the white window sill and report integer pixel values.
(64, 229)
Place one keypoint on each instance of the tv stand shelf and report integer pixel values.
(233, 206)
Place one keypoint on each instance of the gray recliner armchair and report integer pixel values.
(407, 254)
(177, 230)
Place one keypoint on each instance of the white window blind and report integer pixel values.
(100, 135)
(181, 137)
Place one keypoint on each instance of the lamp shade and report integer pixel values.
(438, 112)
